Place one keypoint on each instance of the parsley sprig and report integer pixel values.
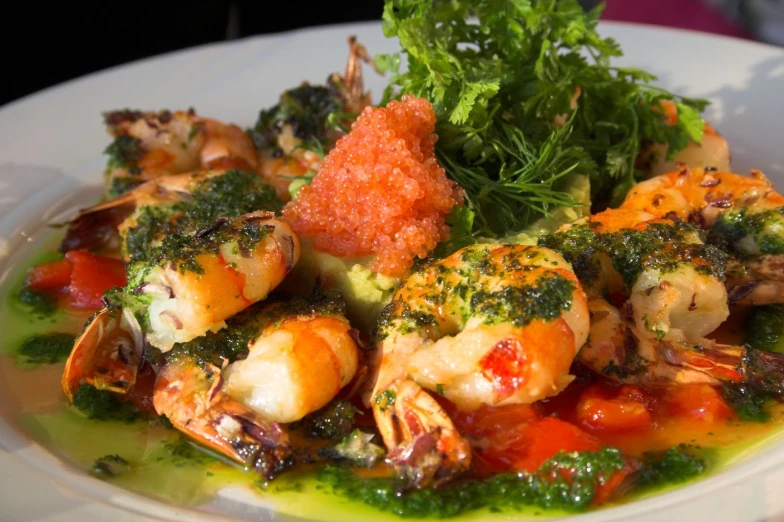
(503, 76)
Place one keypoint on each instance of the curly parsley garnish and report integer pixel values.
(503, 88)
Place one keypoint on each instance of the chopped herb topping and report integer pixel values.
(307, 109)
(660, 246)
(124, 152)
(747, 403)
(673, 466)
(549, 487)
(39, 303)
(385, 399)
(746, 232)
(229, 195)
(519, 305)
(182, 250)
(765, 328)
(44, 349)
(334, 421)
(477, 282)
(103, 405)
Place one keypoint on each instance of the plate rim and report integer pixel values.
(67, 474)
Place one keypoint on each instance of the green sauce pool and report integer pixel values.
(164, 465)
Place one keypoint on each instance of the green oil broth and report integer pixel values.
(165, 466)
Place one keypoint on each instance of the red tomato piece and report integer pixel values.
(54, 275)
(698, 401)
(542, 439)
(92, 276)
(614, 410)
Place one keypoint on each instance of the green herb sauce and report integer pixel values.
(659, 246)
(734, 229)
(103, 405)
(44, 349)
(765, 328)
(229, 195)
(38, 303)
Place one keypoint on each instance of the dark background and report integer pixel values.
(48, 43)
(45, 44)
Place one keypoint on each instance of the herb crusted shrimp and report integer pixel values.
(489, 325)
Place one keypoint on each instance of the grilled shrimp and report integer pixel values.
(310, 353)
(298, 356)
(193, 283)
(670, 277)
(743, 214)
(191, 396)
(488, 325)
(619, 350)
(148, 145)
(137, 220)
(287, 133)
(189, 287)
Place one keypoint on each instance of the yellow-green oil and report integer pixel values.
(164, 466)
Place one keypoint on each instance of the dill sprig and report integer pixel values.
(504, 85)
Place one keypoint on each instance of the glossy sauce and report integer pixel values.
(166, 467)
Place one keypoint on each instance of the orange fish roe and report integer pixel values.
(380, 191)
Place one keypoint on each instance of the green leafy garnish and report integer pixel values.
(505, 88)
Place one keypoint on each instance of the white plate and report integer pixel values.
(51, 143)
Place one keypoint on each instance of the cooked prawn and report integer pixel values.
(100, 226)
(299, 356)
(149, 145)
(177, 203)
(671, 278)
(190, 396)
(488, 325)
(188, 288)
(191, 289)
(621, 351)
(744, 215)
(311, 356)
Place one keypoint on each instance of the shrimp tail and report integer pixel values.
(190, 396)
(260, 445)
(106, 355)
(424, 446)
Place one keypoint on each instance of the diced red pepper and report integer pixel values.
(697, 401)
(620, 409)
(51, 276)
(93, 275)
